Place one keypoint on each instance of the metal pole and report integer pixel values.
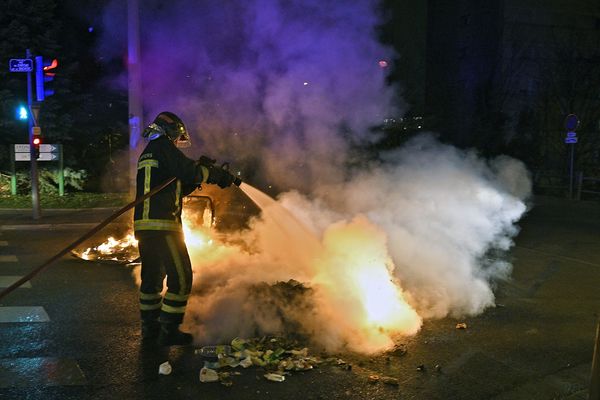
(13, 176)
(35, 192)
(571, 171)
(135, 89)
(61, 172)
(595, 378)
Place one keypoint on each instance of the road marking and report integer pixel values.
(577, 260)
(23, 314)
(8, 259)
(40, 371)
(7, 280)
(3, 243)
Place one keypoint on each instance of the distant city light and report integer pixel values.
(305, 83)
(22, 113)
(383, 63)
(90, 29)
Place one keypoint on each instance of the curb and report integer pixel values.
(32, 227)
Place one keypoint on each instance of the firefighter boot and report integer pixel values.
(170, 335)
(150, 329)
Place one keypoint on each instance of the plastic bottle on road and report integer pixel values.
(214, 351)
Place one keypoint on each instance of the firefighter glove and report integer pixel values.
(220, 177)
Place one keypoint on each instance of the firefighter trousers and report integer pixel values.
(164, 253)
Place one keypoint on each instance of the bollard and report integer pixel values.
(595, 378)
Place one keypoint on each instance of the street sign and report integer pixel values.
(571, 122)
(21, 148)
(20, 65)
(42, 157)
(571, 138)
(44, 148)
(48, 148)
(48, 152)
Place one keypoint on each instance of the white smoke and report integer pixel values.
(285, 88)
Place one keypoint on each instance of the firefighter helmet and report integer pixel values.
(170, 125)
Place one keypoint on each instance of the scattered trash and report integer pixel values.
(438, 368)
(275, 377)
(213, 351)
(388, 380)
(246, 362)
(208, 375)
(165, 368)
(225, 379)
(212, 364)
(373, 378)
(421, 368)
(278, 356)
(461, 325)
(239, 344)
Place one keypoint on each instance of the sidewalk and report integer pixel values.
(22, 219)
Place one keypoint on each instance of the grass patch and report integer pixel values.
(69, 200)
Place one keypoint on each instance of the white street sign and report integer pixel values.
(48, 148)
(42, 157)
(44, 148)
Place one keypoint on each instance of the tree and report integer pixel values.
(82, 113)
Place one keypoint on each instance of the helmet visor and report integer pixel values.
(183, 139)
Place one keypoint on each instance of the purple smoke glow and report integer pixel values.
(283, 86)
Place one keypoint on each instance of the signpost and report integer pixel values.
(20, 65)
(48, 152)
(571, 124)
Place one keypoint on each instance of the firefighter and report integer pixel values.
(157, 226)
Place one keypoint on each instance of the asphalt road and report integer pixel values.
(536, 344)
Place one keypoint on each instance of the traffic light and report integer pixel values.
(36, 141)
(22, 113)
(44, 73)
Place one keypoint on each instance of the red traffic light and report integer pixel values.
(44, 74)
(37, 141)
(50, 65)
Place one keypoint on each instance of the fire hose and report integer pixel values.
(86, 236)
(203, 160)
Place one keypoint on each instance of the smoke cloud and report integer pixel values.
(284, 89)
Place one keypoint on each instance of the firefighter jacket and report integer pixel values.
(160, 161)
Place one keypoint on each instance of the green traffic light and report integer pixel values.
(22, 113)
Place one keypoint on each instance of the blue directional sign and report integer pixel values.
(571, 138)
(20, 65)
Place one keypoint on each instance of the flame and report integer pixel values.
(360, 301)
(112, 248)
(357, 275)
(196, 233)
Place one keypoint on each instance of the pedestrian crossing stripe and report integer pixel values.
(8, 258)
(40, 371)
(23, 314)
(7, 280)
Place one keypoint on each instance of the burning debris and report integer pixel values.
(122, 251)
(199, 213)
(283, 301)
